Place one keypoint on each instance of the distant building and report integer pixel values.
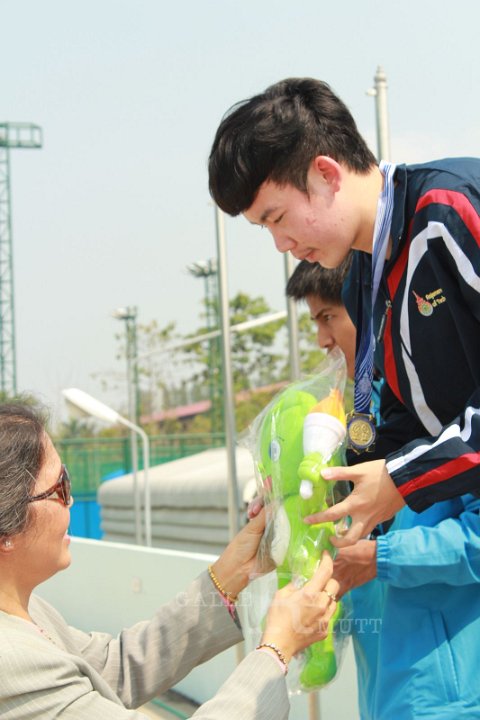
(186, 413)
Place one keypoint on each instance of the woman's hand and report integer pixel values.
(355, 565)
(299, 617)
(238, 562)
(255, 506)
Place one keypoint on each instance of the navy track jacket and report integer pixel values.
(427, 328)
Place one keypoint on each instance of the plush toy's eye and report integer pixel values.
(274, 450)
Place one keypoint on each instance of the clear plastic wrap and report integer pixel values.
(298, 434)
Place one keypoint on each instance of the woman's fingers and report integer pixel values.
(255, 507)
(256, 523)
(322, 575)
(321, 591)
(300, 616)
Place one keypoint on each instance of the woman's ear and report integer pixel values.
(6, 545)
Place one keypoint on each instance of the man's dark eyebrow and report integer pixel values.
(266, 213)
(264, 216)
(321, 312)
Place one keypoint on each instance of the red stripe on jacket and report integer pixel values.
(393, 281)
(467, 212)
(461, 204)
(441, 474)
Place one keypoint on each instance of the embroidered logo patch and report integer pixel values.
(431, 300)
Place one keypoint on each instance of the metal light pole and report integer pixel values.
(379, 92)
(208, 269)
(12, 135)
(90, 405)
(129, 316)
(228, 395)
(292, 315)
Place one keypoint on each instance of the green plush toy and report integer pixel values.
(299, 437)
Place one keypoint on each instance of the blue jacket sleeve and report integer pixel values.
(448, 552)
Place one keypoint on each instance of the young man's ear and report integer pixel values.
(329, 170)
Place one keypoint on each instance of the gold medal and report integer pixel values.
(361, 432)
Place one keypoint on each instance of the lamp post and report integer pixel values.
(91, 406)
(208, 269)
(292, 319)
(379, 92)
(129, 316)
(228, 394)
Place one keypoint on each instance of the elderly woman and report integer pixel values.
(49, 669)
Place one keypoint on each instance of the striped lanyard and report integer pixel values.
(365, 339)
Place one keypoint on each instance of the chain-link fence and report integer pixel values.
(91, 461)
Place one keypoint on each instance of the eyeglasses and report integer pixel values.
(62, 487)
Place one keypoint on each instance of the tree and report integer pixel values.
(157, 383)
(256, 360)
(194, 373)
(74, 428)
(310, 354)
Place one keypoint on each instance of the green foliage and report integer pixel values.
(75, 428)
(200, 424)
(154, 377)
(28, 399)
(255, 362)
(183, 376)
(247, 410)
(310, 354)
(22, 398)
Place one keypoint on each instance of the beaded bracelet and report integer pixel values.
(220, 589)
(281, 657)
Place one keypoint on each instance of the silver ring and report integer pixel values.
(332, 596)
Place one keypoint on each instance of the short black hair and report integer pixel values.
(313, 279)
(276, 135)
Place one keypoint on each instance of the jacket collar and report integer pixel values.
(398, 218)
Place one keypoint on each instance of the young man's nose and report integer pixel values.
(324, 339)
(282, 242)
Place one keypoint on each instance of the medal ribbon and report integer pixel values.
(365, 345)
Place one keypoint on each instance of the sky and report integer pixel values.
(129, 94)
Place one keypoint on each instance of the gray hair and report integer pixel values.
(22, 453)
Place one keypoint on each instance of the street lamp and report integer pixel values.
(91, 406)
(379, 92)
(208, 269)
(129, 316)
(227, 377)
(292, 321)
(203, 268)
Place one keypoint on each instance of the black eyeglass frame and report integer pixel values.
(62, 487)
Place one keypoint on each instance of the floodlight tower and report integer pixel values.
(208, 270)
(12, 135)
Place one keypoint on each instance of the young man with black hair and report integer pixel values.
(321, 289)
(292, 160)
